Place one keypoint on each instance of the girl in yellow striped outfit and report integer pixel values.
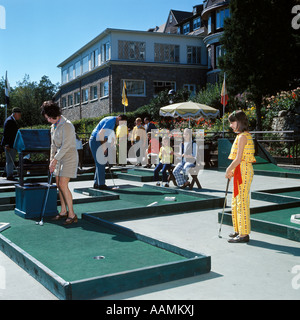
(242, 154)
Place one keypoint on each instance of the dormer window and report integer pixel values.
(170, 18)
(197, 23)
(186, 28)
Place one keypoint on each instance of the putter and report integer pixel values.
(111, 174)
(41, 222)
(225, 200)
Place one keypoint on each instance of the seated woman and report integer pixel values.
(187, 159)
(166, 159)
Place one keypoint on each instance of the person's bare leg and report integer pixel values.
(67, 195)
(63, 206)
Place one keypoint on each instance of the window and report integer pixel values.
(186, 28)
(77, 97)
(70, 100)
(209, 25)
(193, 55)
(94, 93)
(64, 76)
(171, 18)
(104, 89)
(209, 58)
(166, 53)
(85, 95)
(163, 86)
(134, 87)
(132, 50)
(85, 64)
(105, 52)
(191, 88)
(197, 23)
(70, 73)
(219, 53)
(221, 16)
(64, 102)
(94, 58)
(77, 69)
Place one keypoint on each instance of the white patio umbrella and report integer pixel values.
(189, 110)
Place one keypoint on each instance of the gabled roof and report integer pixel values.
(178, 16)
(181, 15)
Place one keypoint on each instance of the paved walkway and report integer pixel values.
(261, 269)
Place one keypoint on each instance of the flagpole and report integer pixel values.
(224, 107)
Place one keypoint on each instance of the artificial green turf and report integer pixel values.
(295, 194)
(278, 216)
(69, 251)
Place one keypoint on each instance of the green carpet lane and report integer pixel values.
(69, 251)
(278, 216)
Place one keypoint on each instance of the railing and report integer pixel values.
(284, 146)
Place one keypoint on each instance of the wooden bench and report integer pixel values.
(193, 182)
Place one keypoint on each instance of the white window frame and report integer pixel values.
(105, 52)
(163, 53)
(77, 69)
(94, 92)
(70, 100)
(70, 73)
(132, 50)
(77, 96)
(163, 84)
(191, 88)
(85, 64)
(130, 87)
(64, 76)
(94, 58)
(85, 95)
(104, 89)
(64, 102)
(190, 52)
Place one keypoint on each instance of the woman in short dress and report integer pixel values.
(63, 158)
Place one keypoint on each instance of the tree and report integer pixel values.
(261, 49)
(29, 96)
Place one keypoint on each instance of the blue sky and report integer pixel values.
(40, 34)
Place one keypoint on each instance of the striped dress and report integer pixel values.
(243, 176)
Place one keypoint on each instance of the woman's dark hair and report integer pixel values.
(51, 109)
(241, 119)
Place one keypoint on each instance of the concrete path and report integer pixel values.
(262, 269)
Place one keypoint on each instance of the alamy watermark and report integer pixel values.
(2, 278)
(296, 278)
(139, 150)
(2, 18)
(296, 19)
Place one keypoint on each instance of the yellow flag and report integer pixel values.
(124, 95)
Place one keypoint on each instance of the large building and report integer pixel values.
(214, 13)
(172, 56)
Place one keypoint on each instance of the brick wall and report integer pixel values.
(115, 73)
